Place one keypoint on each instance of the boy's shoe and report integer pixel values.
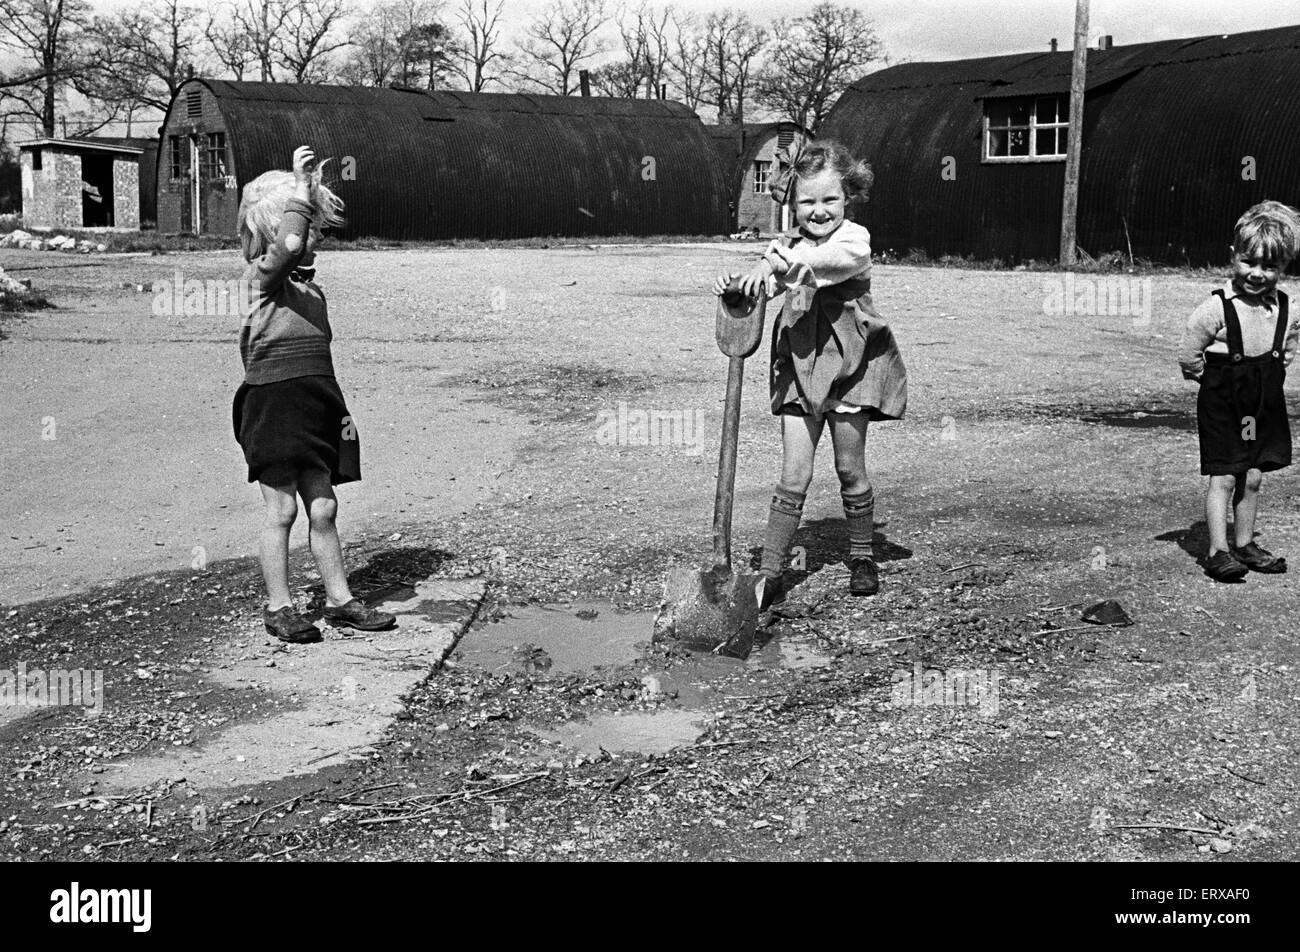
(357, 614)
(864, 576)
(1259, 559)
(287, 625)
(1225, 567)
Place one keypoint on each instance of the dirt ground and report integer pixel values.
(1047, 462)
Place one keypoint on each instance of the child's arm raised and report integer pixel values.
(283, 255)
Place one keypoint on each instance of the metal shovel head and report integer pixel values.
(712, 611)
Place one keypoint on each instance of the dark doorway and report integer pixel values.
(97, 191)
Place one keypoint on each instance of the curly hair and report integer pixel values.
(855, 174)
(1269, 228)
(262, 205)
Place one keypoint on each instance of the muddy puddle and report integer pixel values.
(556, 640)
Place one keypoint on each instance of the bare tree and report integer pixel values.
(245, 38)
(644, 33)
(375, 51)
(308, 39)
(814, 59)
(139, 58)
(278, 39)
(732, 43)
(47, 35)
(559, 41)
(685, 67)
(478, 45)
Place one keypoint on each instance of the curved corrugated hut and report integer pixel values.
(1179, 138)
(434, 165)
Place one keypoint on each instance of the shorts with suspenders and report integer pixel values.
(1241, 409)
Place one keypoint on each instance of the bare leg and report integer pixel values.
(799, 438)
(273, 541)
(1217, 501)
(323, 534)
(1245, 500)
(849, 436)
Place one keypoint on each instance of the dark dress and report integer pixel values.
(1241, 411)
(835, 349)
(299, 424)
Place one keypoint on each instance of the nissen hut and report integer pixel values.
(413, 164)
(1179, 138)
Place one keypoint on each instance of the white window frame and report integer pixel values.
(1061, 120)
(762, 176)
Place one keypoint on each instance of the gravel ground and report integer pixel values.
(1047, 462)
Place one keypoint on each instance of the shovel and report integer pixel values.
(715, 609)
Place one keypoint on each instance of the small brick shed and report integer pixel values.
(748, 156)
(87, 183)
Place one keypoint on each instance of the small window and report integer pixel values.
(178, 153)
(194, 104)
(762, 170)
(1026, 129)
(36, 160)
(214, 157)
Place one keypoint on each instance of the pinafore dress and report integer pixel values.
(1241, 409)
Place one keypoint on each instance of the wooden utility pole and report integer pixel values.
(1074, 141)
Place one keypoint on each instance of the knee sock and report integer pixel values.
(782, 521)
(859, 510)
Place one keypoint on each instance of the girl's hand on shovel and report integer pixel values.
(723, 283)
(754, 284)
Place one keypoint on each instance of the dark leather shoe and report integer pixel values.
(864, 576)
(287, 625)
(1259, 559)
(357, 614)
(1225, 567)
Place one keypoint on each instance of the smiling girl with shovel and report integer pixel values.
(833, 357)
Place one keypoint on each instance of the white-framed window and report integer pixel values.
(178, 155)
(762, 170)
(1029, 129)
(213, 159)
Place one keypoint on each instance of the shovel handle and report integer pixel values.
(722, 501)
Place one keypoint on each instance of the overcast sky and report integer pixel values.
(919, 30)
(955, 29)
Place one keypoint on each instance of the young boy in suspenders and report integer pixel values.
(1237, 346)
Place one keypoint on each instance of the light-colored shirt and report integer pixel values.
(1208, 332)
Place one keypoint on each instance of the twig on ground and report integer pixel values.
(1207, 614)
(964, 565)
(258, 818)
(1262, 783)
(1057, 631)
(1166, 826)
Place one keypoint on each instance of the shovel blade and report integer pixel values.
(714, 611)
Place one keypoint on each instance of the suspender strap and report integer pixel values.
(1233, 326)
(1279, 336)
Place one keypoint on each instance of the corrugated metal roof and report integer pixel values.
(1164, 143)
(484, 165)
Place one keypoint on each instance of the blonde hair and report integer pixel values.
(263, 202)
(1270, 228)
